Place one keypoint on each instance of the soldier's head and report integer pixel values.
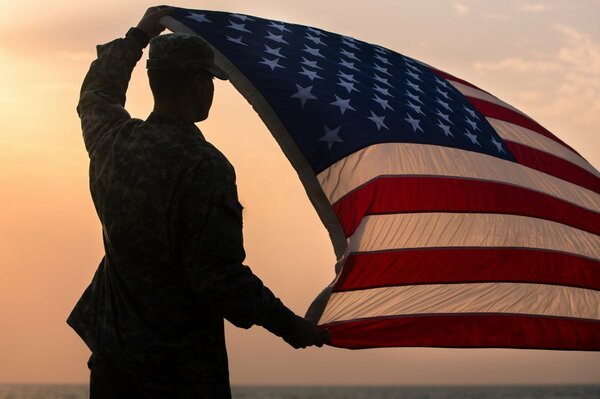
(181, 70)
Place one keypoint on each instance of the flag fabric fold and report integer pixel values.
(457, 220)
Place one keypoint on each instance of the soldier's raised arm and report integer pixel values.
(102, 96)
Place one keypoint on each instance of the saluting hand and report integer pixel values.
(150, 21)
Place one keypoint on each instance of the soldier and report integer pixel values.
(172, 229)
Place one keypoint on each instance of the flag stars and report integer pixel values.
(276, 38)
(443, 93)
(382, 59)
(472, 124)
(237, 40)
(314, 39)
(444, 116)
(413, 97)
(472, 137)
(350, 55)
(413, 75)
(241, 27)
(384, 103)
(304, 94)
(498, 145)
(414, 86)
(271, 63)
(440, 81)
(381, 69)
(471, 112)
(309, 63)
(414, 123)
(378, 120)
(198, 18)
(347, 85)
(312, 75)
(342, 104)
(416, 108)
(443, 104)
(348, 64)
(279, 26)
(350, 44)
(314, 31)
(347, 76)
(242, 17)
(382, 90)
(382, 80)
(274, 51)
(445, 128)
(331, 136)
(313, 51)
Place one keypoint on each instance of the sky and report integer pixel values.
(541, 57)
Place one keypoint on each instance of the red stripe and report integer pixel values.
(466, 265)
(553, 165)
(498, 112)
(468, 330)
(437, 194)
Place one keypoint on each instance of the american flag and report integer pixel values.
(457, 220)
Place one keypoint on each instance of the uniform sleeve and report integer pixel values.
(102, 97)
(210, 219)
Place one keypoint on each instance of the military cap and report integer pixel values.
(182, 51)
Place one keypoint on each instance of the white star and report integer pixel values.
(314, 39)
(331, 136)
(443, 104)
(350, 55)
(414, 123)
(382, 90)
(303, 94)
(498, 145)
(383, 59)
(471, 112)
(198, 18)
(442, 92)
(342, 104)
(271, 63)
(350, 44)
(240, 27)
(242, 17)
(347, 85)
(348, 64)
(413, 68)
(414, 86)
(314, 31)
(237, 40)
(413, 75)
(382, 102)
(313, 51)
(472, 137)
(312, 75)
(472, 123)
(381, 69)
(312, 64)
(414, 96)
(378, 120)
(409, 61)
(274, 51)
(417, 108)
(381, 50)
(444, 116)
(445, 128)
(278, 25)
(382, 80)
(276, 38)
(347, 76)
(440, 81)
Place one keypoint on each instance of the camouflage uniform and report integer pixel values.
(172, 230)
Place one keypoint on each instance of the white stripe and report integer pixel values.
(404, 159)
(518, 134)
(434, 230)
(512, 298)
(482, 95)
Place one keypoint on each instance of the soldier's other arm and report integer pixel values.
(210, 239)
(102, 97)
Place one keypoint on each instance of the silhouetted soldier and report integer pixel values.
(172, 228)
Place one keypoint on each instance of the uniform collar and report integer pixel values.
(169, 120)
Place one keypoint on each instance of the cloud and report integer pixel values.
(460, 9)
(518, 64)
(533, 7)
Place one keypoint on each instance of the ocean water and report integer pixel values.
(9, 391)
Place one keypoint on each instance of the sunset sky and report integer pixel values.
(541, 57)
